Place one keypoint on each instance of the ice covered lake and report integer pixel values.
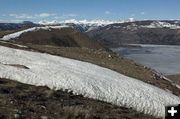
(162, 58)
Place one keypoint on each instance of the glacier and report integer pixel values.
(84, 78)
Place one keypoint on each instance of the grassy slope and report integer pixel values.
(30, 102)
(65, 37)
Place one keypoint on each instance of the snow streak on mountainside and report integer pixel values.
(84, 78)
(17, 34)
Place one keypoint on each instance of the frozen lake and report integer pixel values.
(162, 58)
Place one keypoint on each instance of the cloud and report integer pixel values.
(34, 16)
(65, 16)
(45, 15)
(16, 20)
(11, 21)
(107, 12)
(71, 15)
(133, 15)
(58, 17)
(142, 13)
(21, 16)
(40, 16)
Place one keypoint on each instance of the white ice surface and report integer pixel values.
(17, 34)
(84, 78)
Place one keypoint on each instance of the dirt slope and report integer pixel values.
(175, 78)
(64, 37)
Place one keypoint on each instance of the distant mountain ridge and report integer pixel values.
(15, 26)
(85, 25)
(117, 33)
(82, 25)
(138, 32)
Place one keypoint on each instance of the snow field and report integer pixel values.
(84, 78)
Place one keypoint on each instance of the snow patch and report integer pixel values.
(84, 78)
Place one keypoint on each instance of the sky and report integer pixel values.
(59, 10)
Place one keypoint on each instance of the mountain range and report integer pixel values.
(138, 32)
(116, 33)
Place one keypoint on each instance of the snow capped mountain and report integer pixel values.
(82, 78)
(86, 25)
(92, 22)
(134, 25)
(165, 32)
(86, 22)
(81, 25)
(161, 24)
(89, 25)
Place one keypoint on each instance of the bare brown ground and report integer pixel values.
(175, 78)
(22, 101)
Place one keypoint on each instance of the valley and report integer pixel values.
(162, 58)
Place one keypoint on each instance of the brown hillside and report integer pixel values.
(175, 78)
(59, 37)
